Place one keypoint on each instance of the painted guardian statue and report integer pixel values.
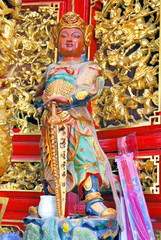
(66, 89)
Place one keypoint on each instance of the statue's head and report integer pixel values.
(72, 20)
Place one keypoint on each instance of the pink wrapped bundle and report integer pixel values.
(135, 205)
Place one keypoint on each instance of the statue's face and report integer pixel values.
(71, 42)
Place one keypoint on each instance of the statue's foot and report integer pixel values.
(99, 209)
(94, 201)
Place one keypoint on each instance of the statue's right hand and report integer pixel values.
(61, 100)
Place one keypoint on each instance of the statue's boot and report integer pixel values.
(93, 199)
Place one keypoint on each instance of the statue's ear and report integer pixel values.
(88, 35)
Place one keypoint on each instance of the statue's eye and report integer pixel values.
(76, 35)
(63, 35)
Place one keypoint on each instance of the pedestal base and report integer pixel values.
(91, 228)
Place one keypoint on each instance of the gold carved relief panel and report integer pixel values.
(36, 50)
(127, 34)
(27, 49)
(22, 176)
(148, 169)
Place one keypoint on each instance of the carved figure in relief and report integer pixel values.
(147, 101)
(71, 83)
(144, 77)
(118, 109)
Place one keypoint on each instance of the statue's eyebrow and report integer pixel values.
(75, 32)
(64, 32)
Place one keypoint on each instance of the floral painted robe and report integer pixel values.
(85, 156)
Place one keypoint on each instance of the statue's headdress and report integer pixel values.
(73, 20)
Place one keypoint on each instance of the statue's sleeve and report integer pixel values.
(89, 85)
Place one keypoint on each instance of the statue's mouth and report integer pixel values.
(69, 45)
